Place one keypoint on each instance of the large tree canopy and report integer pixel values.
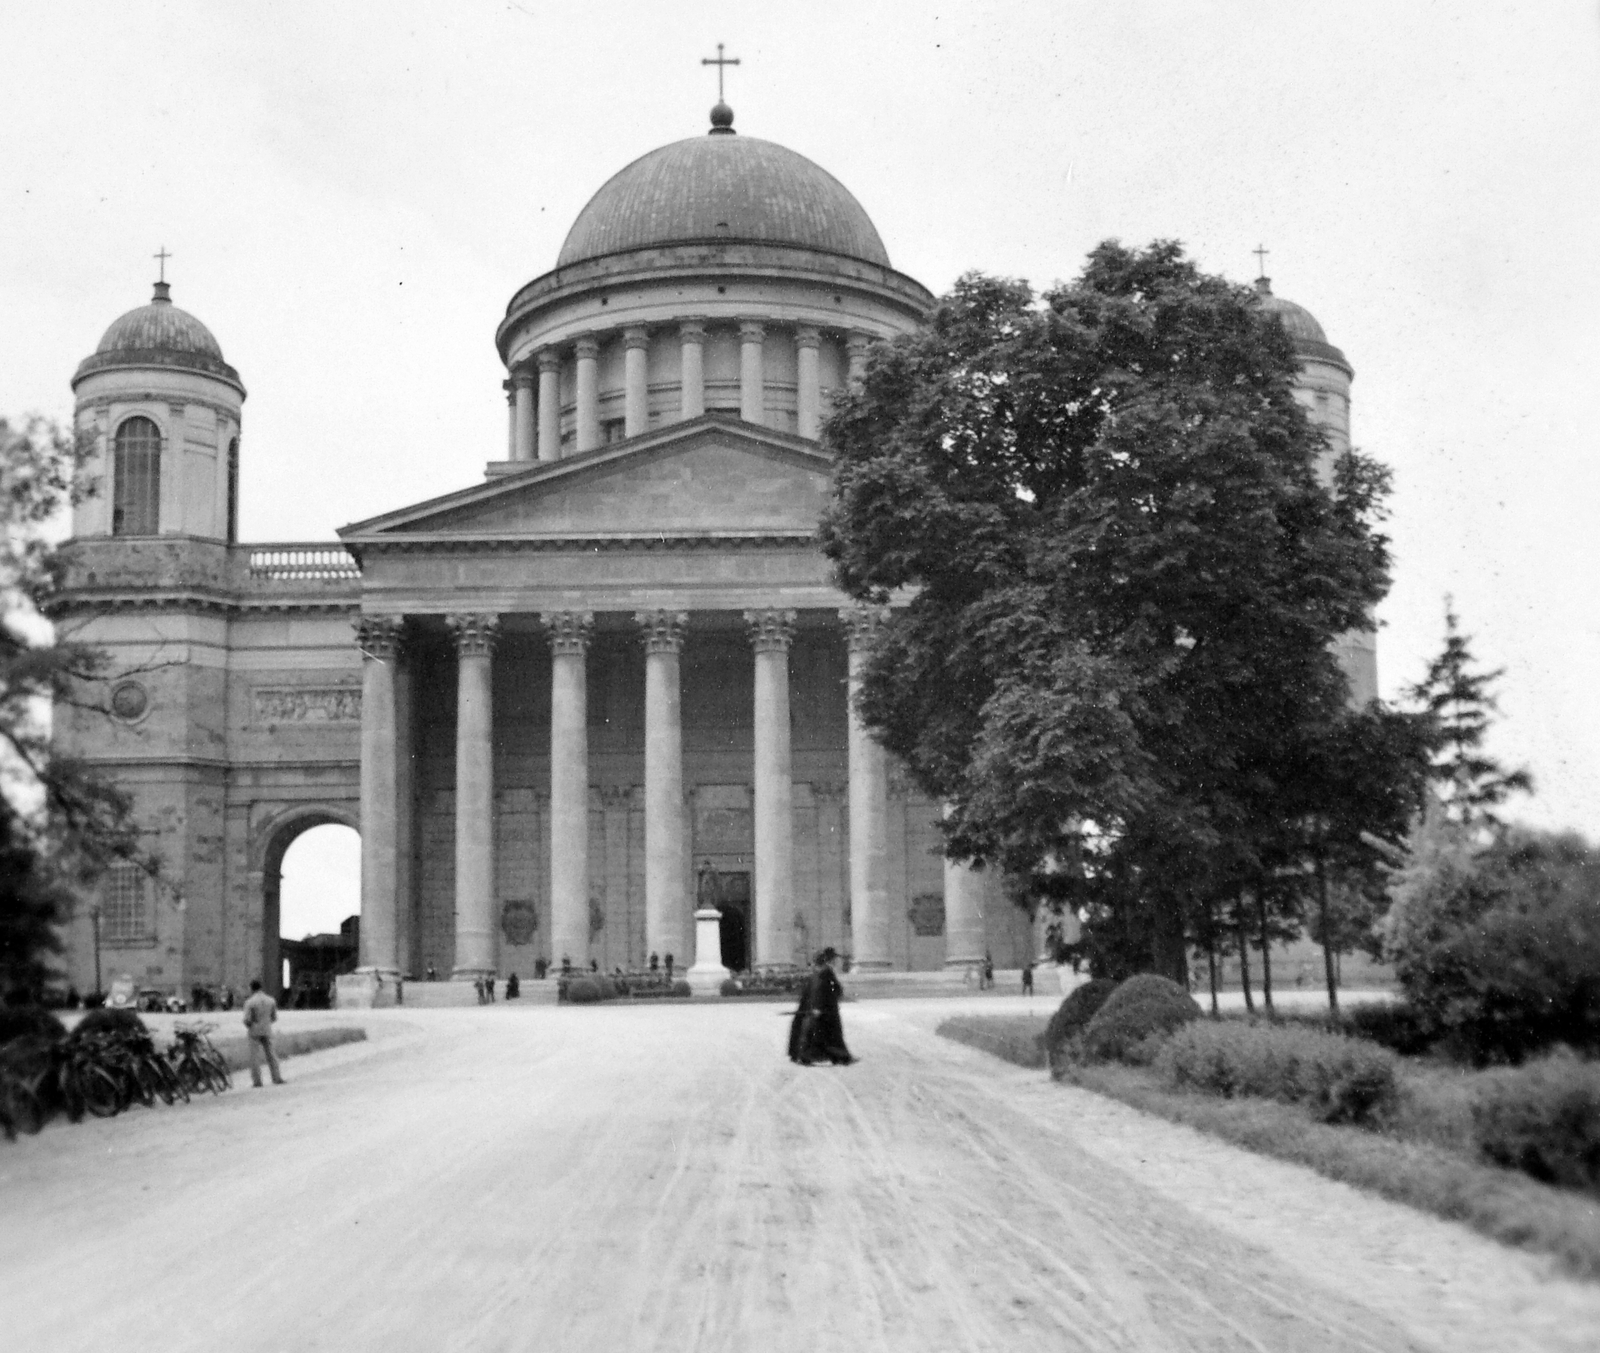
(1121, 572)
(60, 825)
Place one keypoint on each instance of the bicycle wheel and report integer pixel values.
(98, 1091)
(167, 1086)
(217, 1074)
(139, 1084)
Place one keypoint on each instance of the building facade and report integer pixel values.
(571, 704)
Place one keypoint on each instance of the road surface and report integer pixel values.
(620, 1178)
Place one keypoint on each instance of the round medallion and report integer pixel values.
(129, 701)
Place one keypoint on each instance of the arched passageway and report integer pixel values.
(311, 880)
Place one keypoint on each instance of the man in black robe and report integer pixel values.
(816, 1033)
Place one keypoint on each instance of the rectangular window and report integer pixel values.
(613, 430)
(124, 905)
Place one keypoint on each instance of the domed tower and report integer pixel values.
(716, 275)
(164, 410)
(1324, 389)
(1325, 375)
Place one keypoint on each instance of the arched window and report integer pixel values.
(136, 479)
(233, 492)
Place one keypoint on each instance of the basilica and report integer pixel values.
(571, 705)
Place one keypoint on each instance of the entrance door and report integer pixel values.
(734, 900)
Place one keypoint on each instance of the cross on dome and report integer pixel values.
(162, 256)
(719, 61)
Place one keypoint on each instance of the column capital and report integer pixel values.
(569, 631)
(857, 343)
(380, 636)
(770, 631)
(636, 336)
(475, 634)
(587, 347)
(549, 360)
(692, 330)
(752, 331)
(861, 624)
(522, 377)
(663, 630)
(807, 336)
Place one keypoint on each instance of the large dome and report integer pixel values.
(1299, 323)
(159, 334)
(718, 188)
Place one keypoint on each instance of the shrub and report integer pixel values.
(1129, 1026)
(1543, 1119)
(583, 991)
(1499, 950)
(1080, 1006)
(1342, 1080)
(112, 1023)
(1396, 1025)
(681, 988)
(18, 1021)
(729, 987)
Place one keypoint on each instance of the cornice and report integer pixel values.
(218, 604)
(648, 542)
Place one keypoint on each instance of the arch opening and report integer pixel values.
(311, 908)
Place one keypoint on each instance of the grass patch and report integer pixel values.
(1425, 1159)
(1014, 1038)
(1503, 1205)
(236, 1049)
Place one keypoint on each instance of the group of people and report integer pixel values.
(816, 1033)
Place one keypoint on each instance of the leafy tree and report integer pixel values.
(1121, 573)
(59, 824)
(1460, 700)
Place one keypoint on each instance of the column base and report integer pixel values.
(871, 965)
(367, 989)
(708, 974)
(473, 974)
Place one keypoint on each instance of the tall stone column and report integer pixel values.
(405, 819)
(549, 404)
(378, 638)
(855, 347)
(588, 383)
(869, 809)
(522, 386)
(569, 784)
(635, 380)
(475, 949)
(752, 372)
(692, 336)
(808, 395)
(511, 418)
(665, 828)
(770, 635)
(964, 941)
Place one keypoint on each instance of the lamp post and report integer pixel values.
(94, 921)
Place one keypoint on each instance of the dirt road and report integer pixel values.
(639, 1179)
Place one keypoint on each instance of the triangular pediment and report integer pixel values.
(713, 475)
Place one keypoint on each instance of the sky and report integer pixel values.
(352, 192)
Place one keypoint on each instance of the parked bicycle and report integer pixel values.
(195, 1061)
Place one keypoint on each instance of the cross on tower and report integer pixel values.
(163, 256)
(719, 61)
(1261, 251)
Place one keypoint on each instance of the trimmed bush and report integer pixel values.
(111, 1023)
(19, 1021)
(1080, 1006)
(1543, 1119)
(729, 987)
(1342, 1080)
(681, 988)
(1135, 1018)
(583, 991)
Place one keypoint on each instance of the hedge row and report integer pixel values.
(1341, 1080)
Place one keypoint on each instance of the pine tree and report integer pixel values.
(1460, 701)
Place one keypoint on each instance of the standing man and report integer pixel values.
(260, 1014)
(1027, 978)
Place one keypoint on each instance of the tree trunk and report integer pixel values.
(1211, 952)
(1266, 953)
(1327, 940)
(1167, 948)
(1244, 955)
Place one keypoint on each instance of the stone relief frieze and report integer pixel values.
(308, 704)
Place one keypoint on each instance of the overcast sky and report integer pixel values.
(352, 192)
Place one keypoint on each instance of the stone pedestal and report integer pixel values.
(366, 990)
(708, 974)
